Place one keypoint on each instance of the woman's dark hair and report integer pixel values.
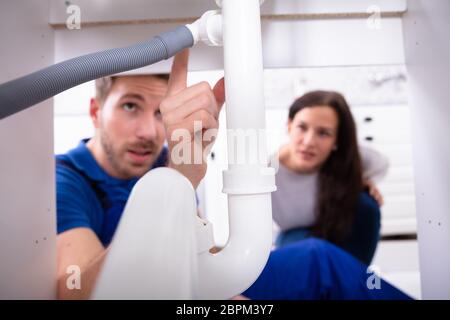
(340, 177)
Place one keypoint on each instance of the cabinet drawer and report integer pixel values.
(398, 207)
(386, 124)
(399, 174)
(396, 188)
(398, 154)
(383, 136)
(399, 226)
(392, 114)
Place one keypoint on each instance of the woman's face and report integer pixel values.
(313, 135)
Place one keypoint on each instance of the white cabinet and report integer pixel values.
(387, 129)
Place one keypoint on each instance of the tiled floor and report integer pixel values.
(398, 263)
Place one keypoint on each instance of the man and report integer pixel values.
(133, 116)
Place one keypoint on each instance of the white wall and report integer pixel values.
(427, 52)
(27, 199)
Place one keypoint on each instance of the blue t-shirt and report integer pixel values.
(86, 196)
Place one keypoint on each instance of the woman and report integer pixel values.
(321, 190)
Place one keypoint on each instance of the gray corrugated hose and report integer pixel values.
(24, 92)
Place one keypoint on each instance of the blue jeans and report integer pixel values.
(364, 235)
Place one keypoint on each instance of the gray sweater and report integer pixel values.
(294, 202)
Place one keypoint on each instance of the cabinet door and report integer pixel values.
(386, 128)
(383, 124)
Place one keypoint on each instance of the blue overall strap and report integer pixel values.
(101, 195)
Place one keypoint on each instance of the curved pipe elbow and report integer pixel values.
(236, 267)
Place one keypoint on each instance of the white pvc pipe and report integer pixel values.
(247, 183)
(153, 254)
(243, 71)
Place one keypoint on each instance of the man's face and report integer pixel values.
(129, 126)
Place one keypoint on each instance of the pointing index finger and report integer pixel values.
(178, 74)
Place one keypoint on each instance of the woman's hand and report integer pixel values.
(373, 191)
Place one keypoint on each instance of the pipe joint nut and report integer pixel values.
(208, 29)
(219, 2)
(249, 181)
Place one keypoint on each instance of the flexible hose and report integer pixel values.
(24, 92)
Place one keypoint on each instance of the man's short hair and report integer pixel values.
(103, 85)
